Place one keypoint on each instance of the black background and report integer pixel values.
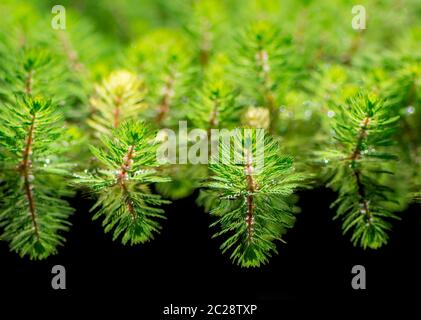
(183, 265)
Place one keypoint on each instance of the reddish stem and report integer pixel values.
(164, 106)
(356, 154)
(122, 177)
(251, 187)
(25, 170)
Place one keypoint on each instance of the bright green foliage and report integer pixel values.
(403, 91)
(288, 67)
(83, 52)
(260, 63)
(207, 28)
(59, 64)
(162, 58)
(31, 71)
(179, 187)
(119, 98)
(33, 213)
(212, 107)
(215, 107)
(125, 202)
(253, 208)
(403, 94)
(359, 159)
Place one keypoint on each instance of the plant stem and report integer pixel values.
(251, 187)
(205, 45)
(262, 59)
(25, 170)
(28, 82)
(122, 177)
(168, 93)
(356, 154)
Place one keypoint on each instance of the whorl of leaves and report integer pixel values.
(125, 202)
(33, 212)
(254, 189)
(359, 161)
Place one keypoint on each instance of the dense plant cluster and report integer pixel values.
(83, 108)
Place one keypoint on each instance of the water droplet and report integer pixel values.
(410, 109)
(330, 114)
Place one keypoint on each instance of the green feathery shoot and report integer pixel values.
(119, 98)
(33, 212)
(287, 67)
(260, 59)
(254, 207)
(358, 161)
(162, 58)
(83, 52)
(124, 197)
(31, 71)
(206, 28)
(215, 107)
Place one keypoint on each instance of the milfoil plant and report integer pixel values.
(122, 183)
(254, 185)
(82, 109)
(34, 177)
(359, 161)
